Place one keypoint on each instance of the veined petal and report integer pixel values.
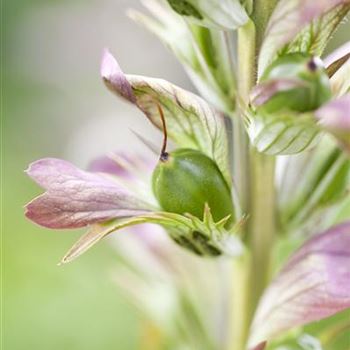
(314, 284)
(76, 198)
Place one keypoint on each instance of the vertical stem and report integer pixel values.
(262, 223)
(240, 303)
(245, 81)
(256, 181)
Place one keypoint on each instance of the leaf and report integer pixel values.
(221, 239)
(204, 52)
(221, 15)
(191, 122)
(313, 285)
(282, 134)
(76, 198)
(287, 20)
(312, 181)
(315, 37)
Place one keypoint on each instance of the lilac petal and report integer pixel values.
(114, 77)
(314, 284)
(264, 91)
(107, 165)
(76, 198)
(287, 20)
(335, 118)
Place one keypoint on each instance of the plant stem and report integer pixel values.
(256, 188)
(240, 314)
(262, 223)
(245, 81)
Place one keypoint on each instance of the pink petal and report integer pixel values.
(76, 198)
(314, 284)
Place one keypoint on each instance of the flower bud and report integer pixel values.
(185, 180)
(296, 82)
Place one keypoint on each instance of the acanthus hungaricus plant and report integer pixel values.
(255, 194)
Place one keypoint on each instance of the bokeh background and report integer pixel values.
(54, 104)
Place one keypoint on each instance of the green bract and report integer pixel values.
(185, 180)
(303, 84)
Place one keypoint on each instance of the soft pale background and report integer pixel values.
(54, 104)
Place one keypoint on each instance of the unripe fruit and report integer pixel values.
(313, 88)
(185, 180)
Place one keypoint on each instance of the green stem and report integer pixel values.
(262, 223)
(240, 314)
(245, 81)
(256, 187)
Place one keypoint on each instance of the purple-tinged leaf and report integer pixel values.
(335, 118)
(317, 34)
(314, 284)
(76, 198)
(191, 122)
(287, 20)
(113, 76)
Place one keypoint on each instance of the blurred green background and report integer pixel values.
(55, 105)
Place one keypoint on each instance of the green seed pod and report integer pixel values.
(186, 179)
(303, 80)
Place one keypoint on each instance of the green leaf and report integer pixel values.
(204, 52)
(315, 37)
(222, 15)
(313, 182)
(288, 19)
(282, 134)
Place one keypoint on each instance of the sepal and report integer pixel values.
(202, 237)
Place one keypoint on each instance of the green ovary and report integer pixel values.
(187, 180)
